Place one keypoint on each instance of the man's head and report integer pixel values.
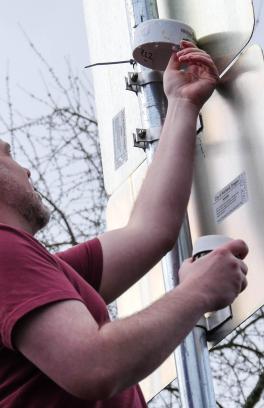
(20, 203)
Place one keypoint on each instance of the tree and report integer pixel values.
(238, 365)
(61, 148)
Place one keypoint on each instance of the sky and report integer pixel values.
(258, 35)
(57, 29)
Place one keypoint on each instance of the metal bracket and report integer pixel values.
(135, 80)
(143, 137)
(216, 319)
(212, 320)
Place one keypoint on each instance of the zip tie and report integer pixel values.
(131, 61)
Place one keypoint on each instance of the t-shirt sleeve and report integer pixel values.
(29, 278)
(87, 260)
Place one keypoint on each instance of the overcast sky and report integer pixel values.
(57, 29)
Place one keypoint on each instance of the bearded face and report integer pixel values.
(18, 193)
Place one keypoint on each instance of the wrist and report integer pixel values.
(183, 104)
(196, 296)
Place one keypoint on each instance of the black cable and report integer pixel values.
(130, 61)
(201, 125)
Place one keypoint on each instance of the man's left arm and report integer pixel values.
(156, 218)
(154, 224)
(153, 227)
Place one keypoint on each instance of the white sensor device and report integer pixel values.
(154, 41)
(207, 243)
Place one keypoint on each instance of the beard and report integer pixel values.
(28, 204)
(34, 211)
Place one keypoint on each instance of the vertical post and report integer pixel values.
(153, 103)
(192, 356)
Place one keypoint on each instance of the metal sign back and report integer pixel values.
(228, 190)
(150, 288)
(222, 33)
(117, 109)
(222, 27)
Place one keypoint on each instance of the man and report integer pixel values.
(58, 347)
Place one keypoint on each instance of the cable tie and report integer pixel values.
(130, 61)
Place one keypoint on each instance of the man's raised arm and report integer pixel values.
(159, 210)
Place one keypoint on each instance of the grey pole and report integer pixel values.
(192, 356)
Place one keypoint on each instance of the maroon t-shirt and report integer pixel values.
(31, 277)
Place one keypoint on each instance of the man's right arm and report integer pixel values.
(65, 342)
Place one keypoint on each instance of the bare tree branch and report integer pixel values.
(256, 393)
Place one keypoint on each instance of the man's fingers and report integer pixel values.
(190, 53)
(238, 248)
(188, 261)
(183, 275)
(174, 62)
(243, 283)
(187, 44)
(243, 267)
(185, 51)
(199, 58)
(244, 270)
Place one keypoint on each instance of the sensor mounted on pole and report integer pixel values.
(156, 39)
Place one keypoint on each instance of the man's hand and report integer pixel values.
(219, 276)
(196, 81)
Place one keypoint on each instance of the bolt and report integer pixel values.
(134, 76)
(142, 133)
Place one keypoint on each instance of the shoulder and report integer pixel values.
(18, 246)
(91, 247)
(86, 259)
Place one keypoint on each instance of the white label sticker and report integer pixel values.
(230, 198)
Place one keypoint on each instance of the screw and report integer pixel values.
(142, 133)
(134, 76)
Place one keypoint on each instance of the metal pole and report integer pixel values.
(153, 103)
(192, 356)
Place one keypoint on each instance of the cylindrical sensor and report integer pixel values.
(208, 243)
(201, 247)
(154, 41)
